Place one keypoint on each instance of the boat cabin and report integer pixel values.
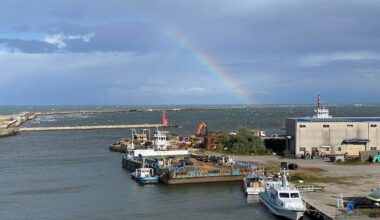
(144, 172)
(160, 141)
(288, 198)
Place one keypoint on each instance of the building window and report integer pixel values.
(373, 148)
(373, 126)
(350, 126)
(314, 149)
(339, 149)
(302, 126)
(326, 126)
(302, 149)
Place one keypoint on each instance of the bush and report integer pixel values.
(245, 142)
(287, 154)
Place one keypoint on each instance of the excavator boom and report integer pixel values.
(200, 127)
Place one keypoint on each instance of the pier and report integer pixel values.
(317, 211)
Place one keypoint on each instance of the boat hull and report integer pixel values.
(279, 211)
(133, 175)
(150, 180)
(144, 180)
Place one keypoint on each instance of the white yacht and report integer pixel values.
(283, 199)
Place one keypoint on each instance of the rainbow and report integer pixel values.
(210, 63)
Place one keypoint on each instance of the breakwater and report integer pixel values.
(11, 124)
(90, 127)
(5, 132)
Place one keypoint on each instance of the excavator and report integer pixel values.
(208, 142)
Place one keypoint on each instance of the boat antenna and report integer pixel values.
(318, 101)
(132, 140)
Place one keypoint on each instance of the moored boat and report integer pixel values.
(144, 175)
(283, 199)
(254, 183)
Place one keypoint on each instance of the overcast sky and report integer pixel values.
(189, 52)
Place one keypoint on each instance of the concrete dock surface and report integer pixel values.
(352, 181)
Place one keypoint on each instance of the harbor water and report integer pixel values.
(73, 175)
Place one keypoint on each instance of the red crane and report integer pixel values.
(200, 127)
(208, 140)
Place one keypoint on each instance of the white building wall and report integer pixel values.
(318, 134)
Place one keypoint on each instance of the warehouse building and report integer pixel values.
(332, 135)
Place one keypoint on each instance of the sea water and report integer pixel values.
(73, 175)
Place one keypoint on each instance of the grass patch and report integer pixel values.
(308, 178)
(312, 179)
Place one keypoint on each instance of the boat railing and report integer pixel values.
(308, 188)
(195, 172)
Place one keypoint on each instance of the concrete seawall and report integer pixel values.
(5, 132)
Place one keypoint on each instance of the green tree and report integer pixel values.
(245, 142)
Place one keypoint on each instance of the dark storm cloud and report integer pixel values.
(276, 51)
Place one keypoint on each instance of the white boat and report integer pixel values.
(159, 148)
(160, 140)
(283, 199)
(155, 153)
(254, 183)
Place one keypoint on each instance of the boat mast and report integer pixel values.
(132, 139)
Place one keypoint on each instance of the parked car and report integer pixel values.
(199, 158)
(206, 158)
(214, 159)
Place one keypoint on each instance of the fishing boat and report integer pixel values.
(254, 183)
(283, 199)
(144, 175)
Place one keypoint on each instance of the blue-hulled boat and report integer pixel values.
(144, 176)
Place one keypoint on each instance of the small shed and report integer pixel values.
(354, 146)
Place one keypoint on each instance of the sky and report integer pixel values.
(94, 52)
